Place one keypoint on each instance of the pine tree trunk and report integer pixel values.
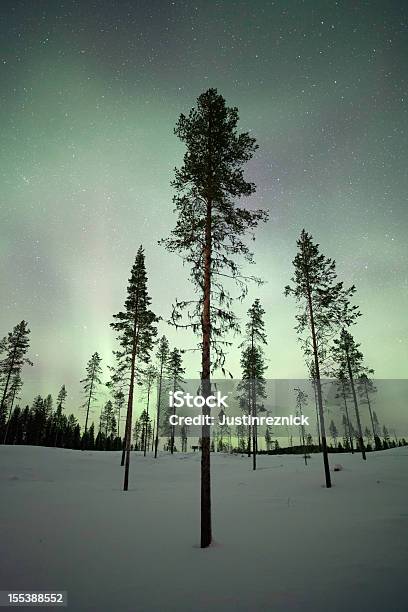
(318, 387)
(147, 420)
(360, 432)
(153, 430)
(173, 427)
(156, 442)
(122, 461)
(128, 433)
(254, 427)
(206, 532)
(249, 424)
(317, 415)
(87, 409)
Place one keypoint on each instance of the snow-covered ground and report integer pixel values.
(282, 540)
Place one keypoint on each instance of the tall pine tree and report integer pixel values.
(324, 306)
(209, 234)
(136, 331)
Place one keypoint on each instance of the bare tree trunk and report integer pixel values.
(128, 433)
(360, 432)
(156, 442)
(122, 461)
(206, 531)
(249, 424)
(254, 427)
(153, 430)
(87, 408)
(317, 415)
(318, 386)
(173, 427)
(147, 421)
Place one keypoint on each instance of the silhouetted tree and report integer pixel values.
(209, 234)
(253, 366)
(343, 393)
(174, 373)
(90, 383)
(347, 354)
(162, 356)
(149, 378)
(324, 305)
(11, 397)
(365, 388)
(136, 330)
(301, 401)
(13, 351)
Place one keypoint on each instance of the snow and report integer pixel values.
(282, 540)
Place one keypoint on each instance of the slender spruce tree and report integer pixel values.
(209, 234)
(324, 306)
(13, 351)
(149, 377)
(90, 385)
(301, 402)
(136, 331)
(347, 354)
(253, 367)
(162, 356)
(118, 402)
(61, 399)
(174, 373)
(366, 388)
(344, 393)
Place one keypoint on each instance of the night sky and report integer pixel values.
(90, 93)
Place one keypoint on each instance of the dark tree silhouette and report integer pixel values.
(324, 306)
(90, 384)
(209, 234)
(365, 388)
(149, 378)
(136, 330)
(162, 356)
(61, 399)
(13, 351)
(347, 354)
(344, 393)
(174, 373)
(12, 395)
(253, 367)
(301, 401)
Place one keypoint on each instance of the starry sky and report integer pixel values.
(90, 93)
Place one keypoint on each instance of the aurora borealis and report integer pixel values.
(90, 93)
